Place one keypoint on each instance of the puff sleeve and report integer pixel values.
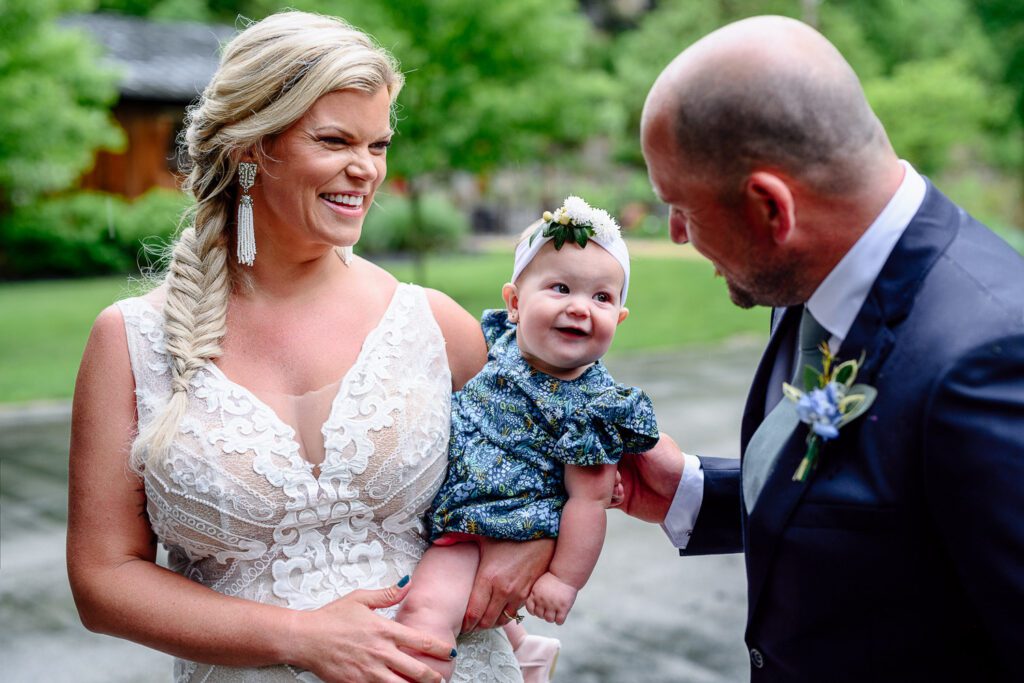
(495, 324)
(618, 420)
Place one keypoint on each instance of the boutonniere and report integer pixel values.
(830, 400)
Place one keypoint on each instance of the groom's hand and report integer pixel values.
(507, 572)
(648, 481)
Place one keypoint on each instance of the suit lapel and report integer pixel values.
(873, 334)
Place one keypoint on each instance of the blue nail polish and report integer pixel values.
(402, 581)
(454, 653)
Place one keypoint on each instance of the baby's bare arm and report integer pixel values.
(581, 530)
(580, 537)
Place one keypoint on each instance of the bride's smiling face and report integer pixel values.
(318, 178)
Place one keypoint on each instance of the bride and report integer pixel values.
(276, 412)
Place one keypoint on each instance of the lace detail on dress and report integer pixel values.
(242, 512)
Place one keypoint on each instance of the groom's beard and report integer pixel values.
(773, 284)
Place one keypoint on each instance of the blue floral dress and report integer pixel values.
(514, 429)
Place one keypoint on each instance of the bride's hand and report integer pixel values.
(347, 642)
(506, 573)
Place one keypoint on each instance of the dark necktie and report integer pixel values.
(774, 431)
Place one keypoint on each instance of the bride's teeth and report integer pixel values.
(346, 199)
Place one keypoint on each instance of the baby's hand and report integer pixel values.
(551, 599)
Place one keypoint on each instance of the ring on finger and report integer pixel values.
(517, 617)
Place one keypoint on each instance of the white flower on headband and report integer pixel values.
(585, 216)
(579, 211)
(605, 227)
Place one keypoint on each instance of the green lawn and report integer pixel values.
(673, 302)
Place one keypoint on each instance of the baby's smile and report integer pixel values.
(573, 331)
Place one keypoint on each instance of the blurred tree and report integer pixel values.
(929, 107)
(929, 69)
(487, 84)
(56, 101)
(640, 55)
(1003, 21)
(934, 83)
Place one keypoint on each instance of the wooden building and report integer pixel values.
(164, 67)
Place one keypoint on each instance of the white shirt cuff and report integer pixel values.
(682, 514)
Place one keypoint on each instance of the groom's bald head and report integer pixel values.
(766, 92)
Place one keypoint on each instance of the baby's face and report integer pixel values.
(567, 306)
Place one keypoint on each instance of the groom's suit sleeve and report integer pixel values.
(974, 474)
(718, 528)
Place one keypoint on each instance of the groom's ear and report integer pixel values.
(771, 204)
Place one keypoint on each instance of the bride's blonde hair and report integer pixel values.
(269, 76)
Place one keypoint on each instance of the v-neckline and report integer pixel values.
(369, 341)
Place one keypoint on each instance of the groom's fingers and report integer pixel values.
(618, 492)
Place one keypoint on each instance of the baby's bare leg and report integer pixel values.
(440, 591)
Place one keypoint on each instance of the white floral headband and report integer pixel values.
(575, 221)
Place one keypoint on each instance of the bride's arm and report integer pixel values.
(121, 591)
(464, 340)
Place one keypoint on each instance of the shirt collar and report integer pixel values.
(840, 296)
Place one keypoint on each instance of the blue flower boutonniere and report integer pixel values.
(829, 401)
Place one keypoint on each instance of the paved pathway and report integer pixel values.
(647, 615)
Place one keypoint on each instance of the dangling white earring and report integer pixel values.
(246, 235)
(345, 254)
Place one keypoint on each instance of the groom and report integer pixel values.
(900, 557)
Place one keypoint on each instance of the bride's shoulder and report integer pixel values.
(370, 273)
(463, 337)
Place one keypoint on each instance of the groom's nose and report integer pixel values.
(677, 230)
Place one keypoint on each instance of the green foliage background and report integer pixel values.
(56, 100)
(533, 87)
(526, 86)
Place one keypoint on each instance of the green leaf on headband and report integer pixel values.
(581, 237)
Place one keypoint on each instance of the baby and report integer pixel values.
(537, 434)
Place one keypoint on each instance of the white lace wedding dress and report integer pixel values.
(241, 511)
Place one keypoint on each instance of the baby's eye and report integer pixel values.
(603, 297)
(560, 287)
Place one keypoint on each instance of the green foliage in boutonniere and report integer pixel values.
(829, 401)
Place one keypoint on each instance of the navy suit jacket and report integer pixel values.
(901, 558)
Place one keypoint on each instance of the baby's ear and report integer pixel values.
(623, 314)
(511, 296)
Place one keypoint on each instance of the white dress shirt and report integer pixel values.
(835, 304)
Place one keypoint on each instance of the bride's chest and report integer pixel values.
(382, 430)
(382, 436)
